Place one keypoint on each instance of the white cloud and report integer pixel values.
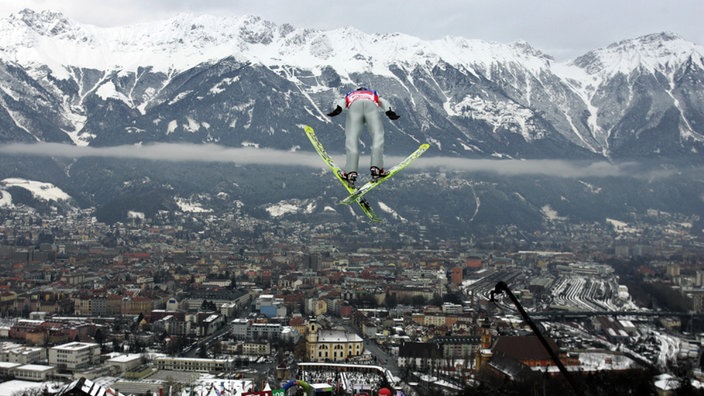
(166, 152)
(215, 153)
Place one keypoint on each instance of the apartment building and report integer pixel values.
(243, 329)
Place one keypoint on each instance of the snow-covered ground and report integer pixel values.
(17, 387)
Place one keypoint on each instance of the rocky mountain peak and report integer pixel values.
(45, 23)
(662, 52)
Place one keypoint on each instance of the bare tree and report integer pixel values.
(34, 391)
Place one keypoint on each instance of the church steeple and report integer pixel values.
(312, 338)
(484, 352)
(486, 334)
(313, 328)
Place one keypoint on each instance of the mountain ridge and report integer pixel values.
(487, 96)
(186, 31)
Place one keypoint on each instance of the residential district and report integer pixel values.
(208, 306)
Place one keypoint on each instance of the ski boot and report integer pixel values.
(350, 178)
(378, 173)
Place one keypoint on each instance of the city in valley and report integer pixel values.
(207, 305)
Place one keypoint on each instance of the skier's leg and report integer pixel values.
(376, 130)
(353, 128)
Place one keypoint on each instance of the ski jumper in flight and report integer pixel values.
(362, 107)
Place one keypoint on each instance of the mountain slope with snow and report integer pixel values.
(246, 81)
(42, 191)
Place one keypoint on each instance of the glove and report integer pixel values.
(335, 112)
(392, 115)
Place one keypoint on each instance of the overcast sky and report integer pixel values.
(561, 28)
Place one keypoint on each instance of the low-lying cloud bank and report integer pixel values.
(256, 156)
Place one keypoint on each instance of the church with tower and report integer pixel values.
(331, 345)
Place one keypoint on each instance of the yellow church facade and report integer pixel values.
(332, 345)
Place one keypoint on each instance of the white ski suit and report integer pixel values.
(363, 108)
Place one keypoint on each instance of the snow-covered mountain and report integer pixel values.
(244, 80)
(187, 40)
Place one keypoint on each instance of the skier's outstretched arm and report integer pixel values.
(338, 108)
(335, 112)
(388, 111)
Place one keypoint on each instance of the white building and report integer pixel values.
(450, 308)
(7, 369)
(266, 331)
(211, 324)
(74, 356)
(229, 309)
(34, 372)
(240, 328)
(16, 353)
(125, 362)
(27, 372)
(192, 364)
(172, 304)
(243, 329)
